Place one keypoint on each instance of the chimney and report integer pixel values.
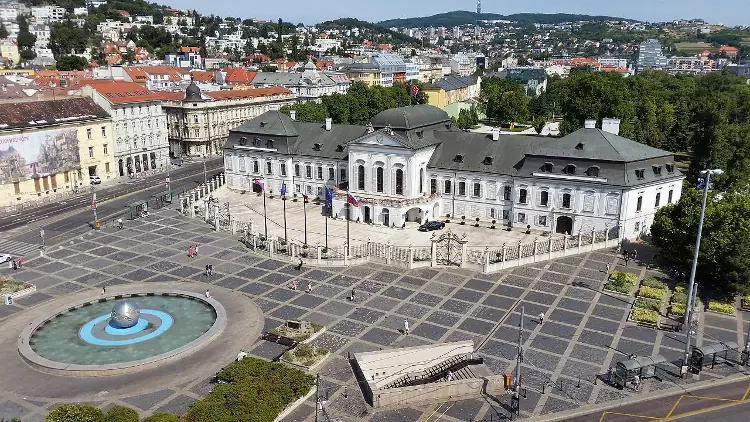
(611, 125)
(589, 124)
(329, 122)
(495, 134)
(293, 114)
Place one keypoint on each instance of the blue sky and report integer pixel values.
(729, 12)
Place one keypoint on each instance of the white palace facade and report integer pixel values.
(410, 164)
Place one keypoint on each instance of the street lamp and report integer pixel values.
(690, 296)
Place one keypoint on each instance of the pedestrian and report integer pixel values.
(635, 254)
(20, 262)
(15, 264)
(195, 250)
(294, 285)
(309, 287)
(450, 376)
(299, 264)
(210, 269)
(104, 290)
(119, 223)
(541, 318)
(609, 375)
(190, 252)
(353, 296)
(406, 327)
(627, 258)
(208, 294)
(624, 253)
(207, 274)
(636, 382)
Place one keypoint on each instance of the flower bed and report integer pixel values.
(651, 293)
(298, 334)
(721, 307)
(654, 283)
(646, 303)
(9, 285)
(677, 309)
(620, 282)
(305, 355)
(644, 315)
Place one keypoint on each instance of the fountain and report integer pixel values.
(122, 331)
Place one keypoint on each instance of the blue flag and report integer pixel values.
(329, 195)
(283, 189)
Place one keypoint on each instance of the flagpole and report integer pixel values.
(286, 239)
(304, 211)
(328, 210)
(348, 217)
(265, 213)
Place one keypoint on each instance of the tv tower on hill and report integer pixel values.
(479, 7)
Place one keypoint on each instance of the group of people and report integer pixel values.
(15, 264)
(193, 251)
(628, 256)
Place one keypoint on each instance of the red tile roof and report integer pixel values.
(121, 92)
(124, 13)
(201, 76)
(238, 76)
(190, 49)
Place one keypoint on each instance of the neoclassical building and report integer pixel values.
(410, 164)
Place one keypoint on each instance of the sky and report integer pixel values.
(728, 12)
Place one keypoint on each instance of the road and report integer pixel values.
(74, 215)
(726, 403)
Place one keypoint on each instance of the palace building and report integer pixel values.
(411, 164)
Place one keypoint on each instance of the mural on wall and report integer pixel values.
(27, 155)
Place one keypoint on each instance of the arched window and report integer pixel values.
(399, 182)
(421, 180)
(566, 200)
(361, 177)
(379, 179)
(544, 198)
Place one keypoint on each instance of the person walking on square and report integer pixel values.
(104, 290)
(609, 375)
(207, 274)
(190, 252)
(541, 318)
(607, 268)
(14, 264)
(353, 296)
(624, 253)
(636, 382)
(294, 285)
(406, 327)
(309, 287)
(195, 250)
(20, 262)
(208, 294)
(627, 258)
(635, 254)
(210, 269)
(299, 265)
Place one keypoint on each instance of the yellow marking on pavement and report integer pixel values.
(706, 410)
(627, 414)
(709, 398)
(674, 406)
(746, 392)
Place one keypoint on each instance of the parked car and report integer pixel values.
(431, 225)
(5, 258)
(95, 180)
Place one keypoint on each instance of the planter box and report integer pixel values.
(643, 323)
(628, 295)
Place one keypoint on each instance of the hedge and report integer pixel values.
(121, 414)
(654, 283)
(74, 412)
(724, 308)
(646, 303)
(679, 297)
(644, 315)
(651, 293)
(623, 288)
(677, 309)
(162, 417)
(622, 277)
(256, 390)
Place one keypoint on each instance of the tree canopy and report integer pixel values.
(724, 265)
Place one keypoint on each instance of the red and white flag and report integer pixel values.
(352, 200)
(414, 89)
(259, 183)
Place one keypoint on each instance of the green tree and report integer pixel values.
(121, 414)
(162, 417)
(75, 412)
(307, 112)
(724, 262)
(3, 31)
(504, 101)
(71, 63)
(67, 38)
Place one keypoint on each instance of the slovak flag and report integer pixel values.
(305, 197)
(283, 189)
(414, 89)
(259, 183)
(352, 200)
(329, 195)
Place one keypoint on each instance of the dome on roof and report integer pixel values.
(193, 93)
(410, 117)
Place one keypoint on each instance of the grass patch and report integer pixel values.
(651, 293)
(305, 354)
(11, 285)
(646, 303)
(721, 307)
(255, 390)
(297, 335)
(644, 315)
(654, 283)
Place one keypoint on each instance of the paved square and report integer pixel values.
(584, 332)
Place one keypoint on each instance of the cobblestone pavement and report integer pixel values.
(584, 333)
(249, 207)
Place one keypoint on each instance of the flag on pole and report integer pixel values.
(259, 183)
(304, 197)
(414, 89)
(352, 200)
(329, 195)
(283, 189)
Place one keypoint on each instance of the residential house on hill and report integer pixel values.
(309, 85)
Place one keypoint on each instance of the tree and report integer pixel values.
(121, 414)
(280, 30)
(67, 38)
(71, 63)
(269, 68)
(307, 112)
(724, 262)
(504, 101)
(162, 417)
(75, 413)
(3, 31)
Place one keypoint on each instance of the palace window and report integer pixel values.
(566, 200)
(477, 190)
(379, 179)
(399, 182)
(462, 188)
(361, 177)
(658, 199)
(639, 204)
(522, 196)
(506, 193)
(308, 171)
(544, 198)
(433, 186)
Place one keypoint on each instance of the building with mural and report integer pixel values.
(50, 147)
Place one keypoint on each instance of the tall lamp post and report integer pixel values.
(689, 305)
(304, 212)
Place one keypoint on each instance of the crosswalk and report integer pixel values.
(16, 248)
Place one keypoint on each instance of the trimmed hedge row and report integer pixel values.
(722, 307)
(644, 315)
